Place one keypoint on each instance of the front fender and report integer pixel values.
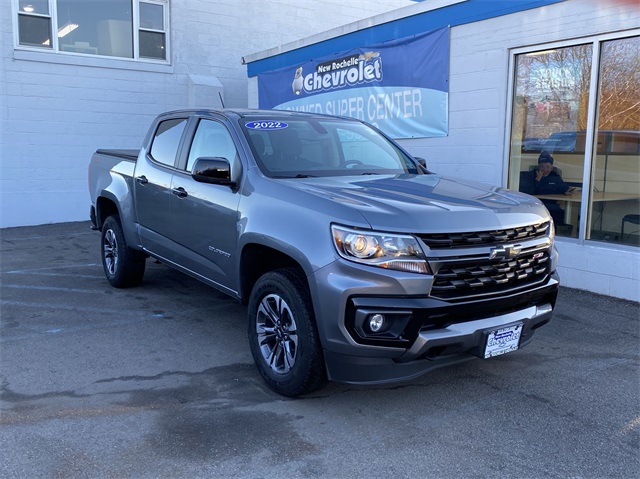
(279, 245)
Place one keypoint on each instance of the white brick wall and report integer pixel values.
(601, 270)
(56, 110)
(213, 36)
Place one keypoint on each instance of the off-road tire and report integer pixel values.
(123, 266)
(283, 335)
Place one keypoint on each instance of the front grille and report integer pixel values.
(459, 280)
(465, 240)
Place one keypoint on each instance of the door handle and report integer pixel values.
(180, 192)
(142, 180)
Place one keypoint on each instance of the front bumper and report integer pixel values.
(425, 333)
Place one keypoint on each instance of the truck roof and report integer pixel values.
(250, 112)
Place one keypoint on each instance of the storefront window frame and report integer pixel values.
(592, 115)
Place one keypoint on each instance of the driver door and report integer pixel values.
(205, 215)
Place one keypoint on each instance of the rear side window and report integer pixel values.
(167, 140)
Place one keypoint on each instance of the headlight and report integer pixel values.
(385, 250)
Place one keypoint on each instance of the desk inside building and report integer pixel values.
(596, 197)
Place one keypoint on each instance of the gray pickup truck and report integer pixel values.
(357, 264)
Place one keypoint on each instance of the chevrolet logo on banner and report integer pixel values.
(505, 252)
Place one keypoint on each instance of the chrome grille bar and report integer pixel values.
(465, 240)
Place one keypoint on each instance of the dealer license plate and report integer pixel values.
(502, 341)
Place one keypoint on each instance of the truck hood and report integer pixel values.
(421, 203)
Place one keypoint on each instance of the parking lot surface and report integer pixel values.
(158, 381)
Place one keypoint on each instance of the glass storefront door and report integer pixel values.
(550, 112)
(561, 104)
(614, 203)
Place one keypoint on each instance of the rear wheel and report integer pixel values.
(123, 266)
(283, 336)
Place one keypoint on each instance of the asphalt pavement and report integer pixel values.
(158, 382)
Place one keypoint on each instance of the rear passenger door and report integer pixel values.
(152, 186)
(205, 215)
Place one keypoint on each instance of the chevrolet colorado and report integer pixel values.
(357, 264)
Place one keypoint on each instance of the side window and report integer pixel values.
(167, 140)
(212, 139)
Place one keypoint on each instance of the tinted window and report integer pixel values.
(166, 141)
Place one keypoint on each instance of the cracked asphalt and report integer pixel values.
(158, 382)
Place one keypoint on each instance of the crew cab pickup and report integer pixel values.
(357, 264)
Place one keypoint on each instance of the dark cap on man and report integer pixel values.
(545, 157)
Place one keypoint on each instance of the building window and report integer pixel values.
(578, 104)
(134, 29)
(34, 23)
(151, 34)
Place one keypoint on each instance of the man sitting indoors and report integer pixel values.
(549, 182)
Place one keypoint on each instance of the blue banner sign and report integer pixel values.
(400, 86)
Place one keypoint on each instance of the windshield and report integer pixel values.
(291, 148)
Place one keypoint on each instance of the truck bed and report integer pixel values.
(126, 154)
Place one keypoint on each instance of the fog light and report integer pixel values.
(376, 322)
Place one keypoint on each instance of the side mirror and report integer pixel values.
(422, 162)
(216, 171)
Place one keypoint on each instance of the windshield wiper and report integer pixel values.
(299, 175)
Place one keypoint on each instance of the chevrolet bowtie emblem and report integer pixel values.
(505, 252)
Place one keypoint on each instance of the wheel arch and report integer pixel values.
(106, 206)
(257, 259)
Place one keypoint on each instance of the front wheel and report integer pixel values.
(123, 266)
(283, 336)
